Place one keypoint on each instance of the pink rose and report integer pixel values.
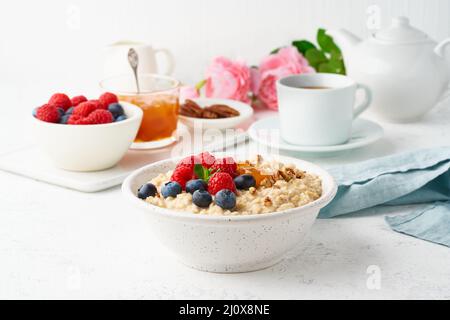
(228, 79)
(188, 92)
(285, 62)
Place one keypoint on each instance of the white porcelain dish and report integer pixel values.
(267, 132)
(244, 109)
(87, 147)
(229, 244)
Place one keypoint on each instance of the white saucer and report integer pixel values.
(364, 132)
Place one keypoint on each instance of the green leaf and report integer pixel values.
(303, 45)
(337, 62)
(332, 66)
(200, 85)
(202, 172)
(315, 57)
(326, 42)
(275, 51)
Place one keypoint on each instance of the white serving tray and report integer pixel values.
(28, 161)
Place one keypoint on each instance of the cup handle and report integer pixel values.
(366, 103)
(170, 60)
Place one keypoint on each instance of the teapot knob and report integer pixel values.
(400, 21)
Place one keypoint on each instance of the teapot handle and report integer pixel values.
(440, 48)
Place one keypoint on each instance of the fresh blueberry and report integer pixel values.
(69, 111)
(121, 118)
(171, 189)
(61, 112)
(244, 182)
(64, 119)
(226, 199)
(194, 185)
(35, 112)
(201, 198)
(147, 190)
(116, 109)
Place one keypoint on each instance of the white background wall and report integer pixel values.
(42, 44)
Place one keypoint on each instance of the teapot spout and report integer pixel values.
(344, 39)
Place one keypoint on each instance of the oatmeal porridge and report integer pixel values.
(205, 185)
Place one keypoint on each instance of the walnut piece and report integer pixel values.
(191, 109)
(268, 182)
(267, 202)
(223, 111)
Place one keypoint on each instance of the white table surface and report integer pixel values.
(58, 243)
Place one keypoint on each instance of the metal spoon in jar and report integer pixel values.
(133, 59)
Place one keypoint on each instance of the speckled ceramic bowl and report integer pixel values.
(229, 243)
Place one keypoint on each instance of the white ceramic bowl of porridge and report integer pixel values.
(230, 243)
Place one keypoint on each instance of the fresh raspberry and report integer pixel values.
(107, 98)
(98, 104)
(84, 109)
(220, 181)
(182, 174)
(207, 159)
(227, 165)
(74, 119)
(48, 113)
(60, 100)
(99, 116)
(77, 100)
(189, 162)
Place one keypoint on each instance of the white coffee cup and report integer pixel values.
(116, 59)
(318, 109)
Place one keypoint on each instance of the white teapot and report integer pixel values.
(407, 71)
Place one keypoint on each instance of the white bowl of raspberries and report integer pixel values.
(85, 135)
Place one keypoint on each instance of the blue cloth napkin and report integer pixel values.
(421, 176)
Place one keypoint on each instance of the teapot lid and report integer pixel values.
(401, 32)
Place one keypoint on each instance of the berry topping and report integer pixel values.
(207, 159)
(194, 185)
(121, 118)
(64, 119)
(201, 198)
(77, 100)
(61, 111)
(48, 113)
(84, 109)
(60, 100)
(244, 181)
(227, 165)
(182, 174)
(171, 189)
(226, 199)
(107, 98)
(116, 109)
(147, 190)
(99, 116)
(74, 119)
(220, 181)
(69, 111)
(98, 104)
(190, 162)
